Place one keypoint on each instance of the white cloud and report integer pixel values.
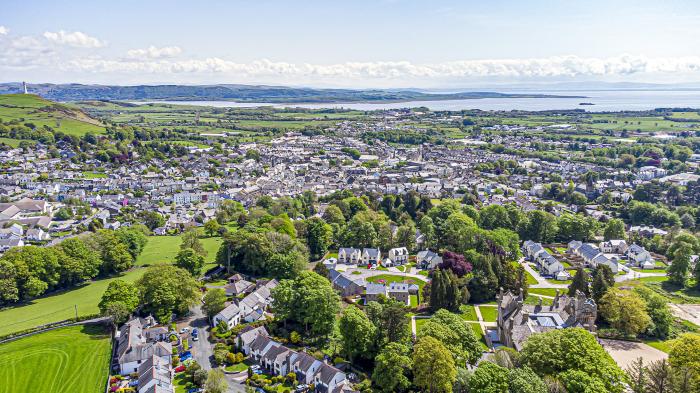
(76, 39)
(4, 30)
(153, 52)
(550, 67)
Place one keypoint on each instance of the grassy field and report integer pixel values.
(163, 249)
(476, 328)
(545, 291)
(60, 306)
(34, 109)
(73, 359)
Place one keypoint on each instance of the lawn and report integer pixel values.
(663, 346)
(94, 175)
(488, 313)
(468, 313)
(236, 368)
(474, 325)
(67, 360)
(163, 249)
(531, 280)
(544, 291)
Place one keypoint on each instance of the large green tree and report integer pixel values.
(167, 290)
(357, 332)
(120, 299)
(309, 301)
(190, 260)
(489, 378)
(625, 311)
(319, 236)
(614, 229)
(434, 368)
(214, 301)
(391, 367)
(454, 334)
(560, 350)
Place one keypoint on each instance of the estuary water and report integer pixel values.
(602, 100)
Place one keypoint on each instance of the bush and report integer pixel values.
(295, 337)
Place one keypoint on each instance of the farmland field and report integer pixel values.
(68, 360)
(163, 249)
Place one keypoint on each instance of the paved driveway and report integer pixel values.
(626, 352)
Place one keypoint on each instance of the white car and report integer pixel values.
(195, 338)
(184, 330)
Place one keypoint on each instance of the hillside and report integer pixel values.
(29, 108)
(241, 93)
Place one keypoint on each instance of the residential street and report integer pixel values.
(202, 350)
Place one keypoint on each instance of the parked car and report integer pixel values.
(195, 338)
(184, 330)
(195, 332)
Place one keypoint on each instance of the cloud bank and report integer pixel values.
(76, 56)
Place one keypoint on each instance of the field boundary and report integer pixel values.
(57, 325)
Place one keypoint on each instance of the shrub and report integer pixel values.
(295, 337)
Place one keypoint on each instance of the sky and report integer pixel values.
(358, 44)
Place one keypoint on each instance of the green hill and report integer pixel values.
(29, 108)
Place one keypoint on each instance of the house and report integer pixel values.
(639, 256)
(155, 375)
(593, 256)
(253, 306)
(37, 235)
(427, 259)
(247, 336)
(349, 256)
(133, 348)
(371, 256)
(395, 290)
(231, 315)
(613, 247)
(238, 287)
(398, 255)
(517, 321)
(345, 284)
(6, 244)
(545, 262)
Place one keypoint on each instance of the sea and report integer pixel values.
(601, 100)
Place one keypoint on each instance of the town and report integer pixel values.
(189, 248)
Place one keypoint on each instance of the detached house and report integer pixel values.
(349, 256)
(371, 256)
(427, 259)
(639, 256)
(345, 284)
(613, 247)
(398, 256)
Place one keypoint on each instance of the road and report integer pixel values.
(359, 272)
(203, 350)
(629, 275)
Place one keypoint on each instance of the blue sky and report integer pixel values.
(389, 43)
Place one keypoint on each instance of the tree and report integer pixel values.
(81, 261)
(560, 350)
(614, 229)
(456, 263)
(211, 228)
(214, 301)
(454, 334)
(579, 282)
(124, 293)
(603, 279)
(489, 378)
(216, 381)
(678, 271)
(167, 289)
(433, 366)
(356, 331)
(524, 380)
(637, 376)
(685, 353)
(427, 229)
(577, 381)
(308, 300)
(625, 311)
(333, 215)
(658, 310)
(189, 260)
(152, 219)
(494, 216)
(319, 236)
(539, 227)
(660, 377)
(391, 367)
(445, 292)
(190, 239)
(114, 253)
